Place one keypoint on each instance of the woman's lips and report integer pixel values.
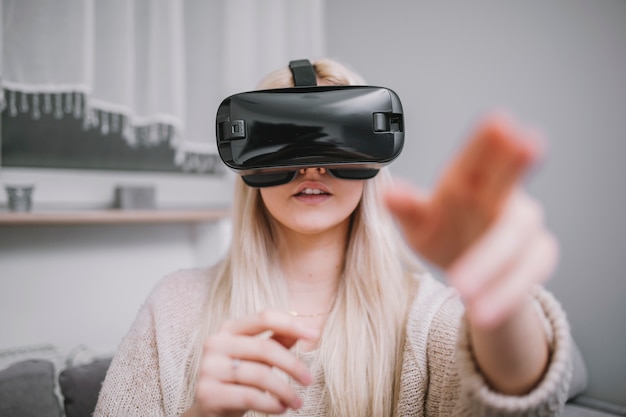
(312, 193)
(312, 198)
(312, 185)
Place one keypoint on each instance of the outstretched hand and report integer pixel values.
(478, 225)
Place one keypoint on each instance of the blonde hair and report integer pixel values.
(360, 351)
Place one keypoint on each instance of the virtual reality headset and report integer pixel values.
(267, 136)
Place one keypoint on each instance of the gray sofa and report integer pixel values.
(580, 405)
(36, 387)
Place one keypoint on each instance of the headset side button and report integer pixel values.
(235, 129)
(381, 122)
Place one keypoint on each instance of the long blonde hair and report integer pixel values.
(361, 347)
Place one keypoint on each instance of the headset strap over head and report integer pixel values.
(303, 73)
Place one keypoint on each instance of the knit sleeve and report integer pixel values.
(148, 374)
(132, 384)
(546, 399)
(444, 385)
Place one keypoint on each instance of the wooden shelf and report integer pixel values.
(94, 217)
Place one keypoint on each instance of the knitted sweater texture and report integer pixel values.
(439, 377)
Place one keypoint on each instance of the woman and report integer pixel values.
(320, 308)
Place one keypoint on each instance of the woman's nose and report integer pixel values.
(313, 170)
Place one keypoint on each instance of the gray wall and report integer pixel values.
(559, 65)
(73, 286)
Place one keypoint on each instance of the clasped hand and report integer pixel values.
(236, 368)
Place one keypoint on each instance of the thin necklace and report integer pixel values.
(295, 314)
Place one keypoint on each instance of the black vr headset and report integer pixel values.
(267, 136)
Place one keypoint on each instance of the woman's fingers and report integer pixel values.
(471, 194)
(496, 273)
(265, 351)
(238, 370)
(505, 246)
(508, 164)
(410, 208)
(494, 159)
(497, 248)
(407, 204)
(500, 300)
(251, 374)
(284, 327)
(229, 398)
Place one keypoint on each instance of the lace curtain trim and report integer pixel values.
(110, 119)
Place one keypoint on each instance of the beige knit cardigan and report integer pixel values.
(439, 375)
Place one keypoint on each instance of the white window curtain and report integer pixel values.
(151, 70)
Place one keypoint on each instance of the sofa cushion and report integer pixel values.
(81, 385)
(27, 389)
(578, 383)
(573, 410)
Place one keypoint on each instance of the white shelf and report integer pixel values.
(94, 217)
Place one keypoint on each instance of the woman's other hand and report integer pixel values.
(236, 369)
(479, 226)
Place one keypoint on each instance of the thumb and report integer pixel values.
(407, 204)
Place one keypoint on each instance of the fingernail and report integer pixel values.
(306, 378)
(297, 403)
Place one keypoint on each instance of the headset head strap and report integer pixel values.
(303, 73)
